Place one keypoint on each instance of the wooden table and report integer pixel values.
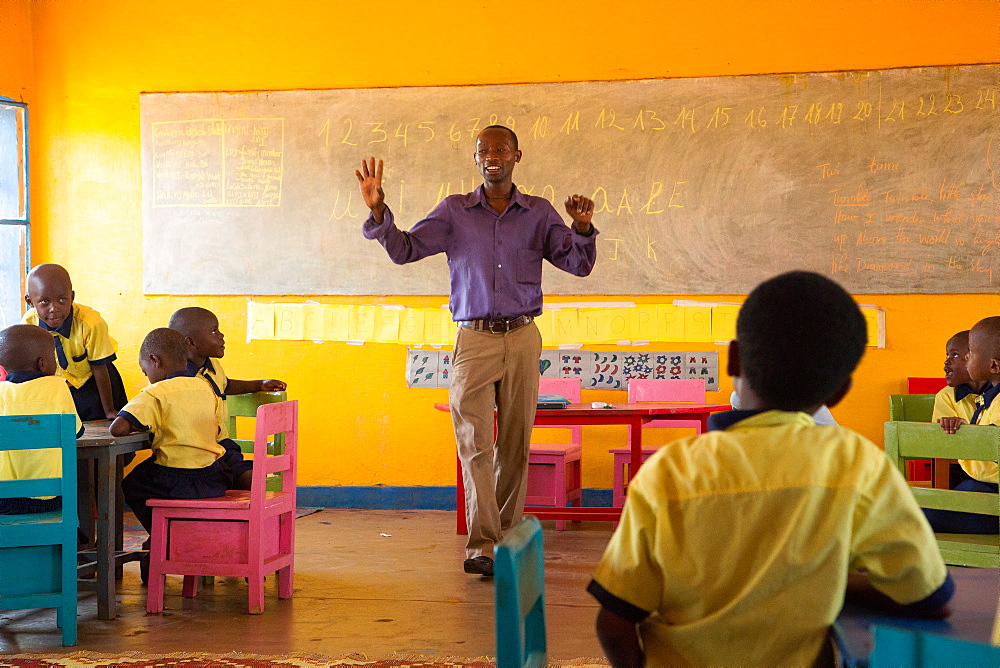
(98, 445)
(632, 415)
(973, 610)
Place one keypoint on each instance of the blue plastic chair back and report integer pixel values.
(38, 550)
(520, 597)
(898, 647)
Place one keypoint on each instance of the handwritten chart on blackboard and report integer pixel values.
(884, 180)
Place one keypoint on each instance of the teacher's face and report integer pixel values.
(496, 156)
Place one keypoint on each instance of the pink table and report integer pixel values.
(632, 415)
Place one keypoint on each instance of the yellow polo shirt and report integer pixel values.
(43, 395)
(180, 413)
(213, 372)
(81, 340)
(985, 471)
(738, 542)
(947, 403)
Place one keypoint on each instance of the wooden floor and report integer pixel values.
(375, 582)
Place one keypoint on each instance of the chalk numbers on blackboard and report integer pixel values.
(686, 119)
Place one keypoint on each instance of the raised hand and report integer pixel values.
(370, 182)
(581, 210)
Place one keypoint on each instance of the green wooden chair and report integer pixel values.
(905, 441)
(245, 406)
(911, 407)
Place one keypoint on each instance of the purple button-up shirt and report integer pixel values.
(495, 260)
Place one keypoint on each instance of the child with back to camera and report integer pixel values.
(206, 344)
(805, 509)
(180, 411)
(31, 388)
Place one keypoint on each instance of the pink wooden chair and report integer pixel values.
(554, 468)
(244, 534)
(688, 390)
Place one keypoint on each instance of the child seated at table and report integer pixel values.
(84, 350)
(736, 547)
(180, 411)
(983, 370)
(955, 403)
(28, 356)
(206, 345)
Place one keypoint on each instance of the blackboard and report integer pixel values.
(884, 180)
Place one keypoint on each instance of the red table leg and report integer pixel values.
(460, 527)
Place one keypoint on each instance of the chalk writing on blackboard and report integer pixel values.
(218, 162)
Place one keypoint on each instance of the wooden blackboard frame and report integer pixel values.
(779, 180)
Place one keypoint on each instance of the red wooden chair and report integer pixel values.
(244, 534)
(689, 390)
(915, 385)
(554, 468)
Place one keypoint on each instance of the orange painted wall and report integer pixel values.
(92, 58)
(16, 53)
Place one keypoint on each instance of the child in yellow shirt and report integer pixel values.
(738, 546)
(28, 356)
(84, 349)
(957, 400)
(206, 344)
(983, 366)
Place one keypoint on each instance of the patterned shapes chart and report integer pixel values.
(596, 369)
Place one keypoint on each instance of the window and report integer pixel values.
(13, 209)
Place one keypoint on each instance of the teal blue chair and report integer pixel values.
(520, 596)
(898, 647)
(38, 550)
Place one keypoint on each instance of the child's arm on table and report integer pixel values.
(103, 380)
(247, 386)
(121, 427)
(860, 590)
(620, 639)
(951, 423)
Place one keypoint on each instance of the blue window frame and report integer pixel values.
(14, 209)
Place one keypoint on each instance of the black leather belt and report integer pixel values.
(498, 326)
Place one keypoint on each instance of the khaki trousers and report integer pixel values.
(494, 369)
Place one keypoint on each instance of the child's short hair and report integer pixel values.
(21, 345)
(185, 320)
(991, 326)
(800, 337)
(167, 343)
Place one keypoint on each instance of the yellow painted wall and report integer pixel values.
(360, 424)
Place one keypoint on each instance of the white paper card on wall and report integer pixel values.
(548, 364)
(637, 365)
(573, 364)
(606, 372)
(445, 367)
(422, 368)
(705, 366)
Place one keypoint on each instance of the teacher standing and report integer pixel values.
(495, 238)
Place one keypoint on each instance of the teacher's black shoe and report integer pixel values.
(479, 566)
